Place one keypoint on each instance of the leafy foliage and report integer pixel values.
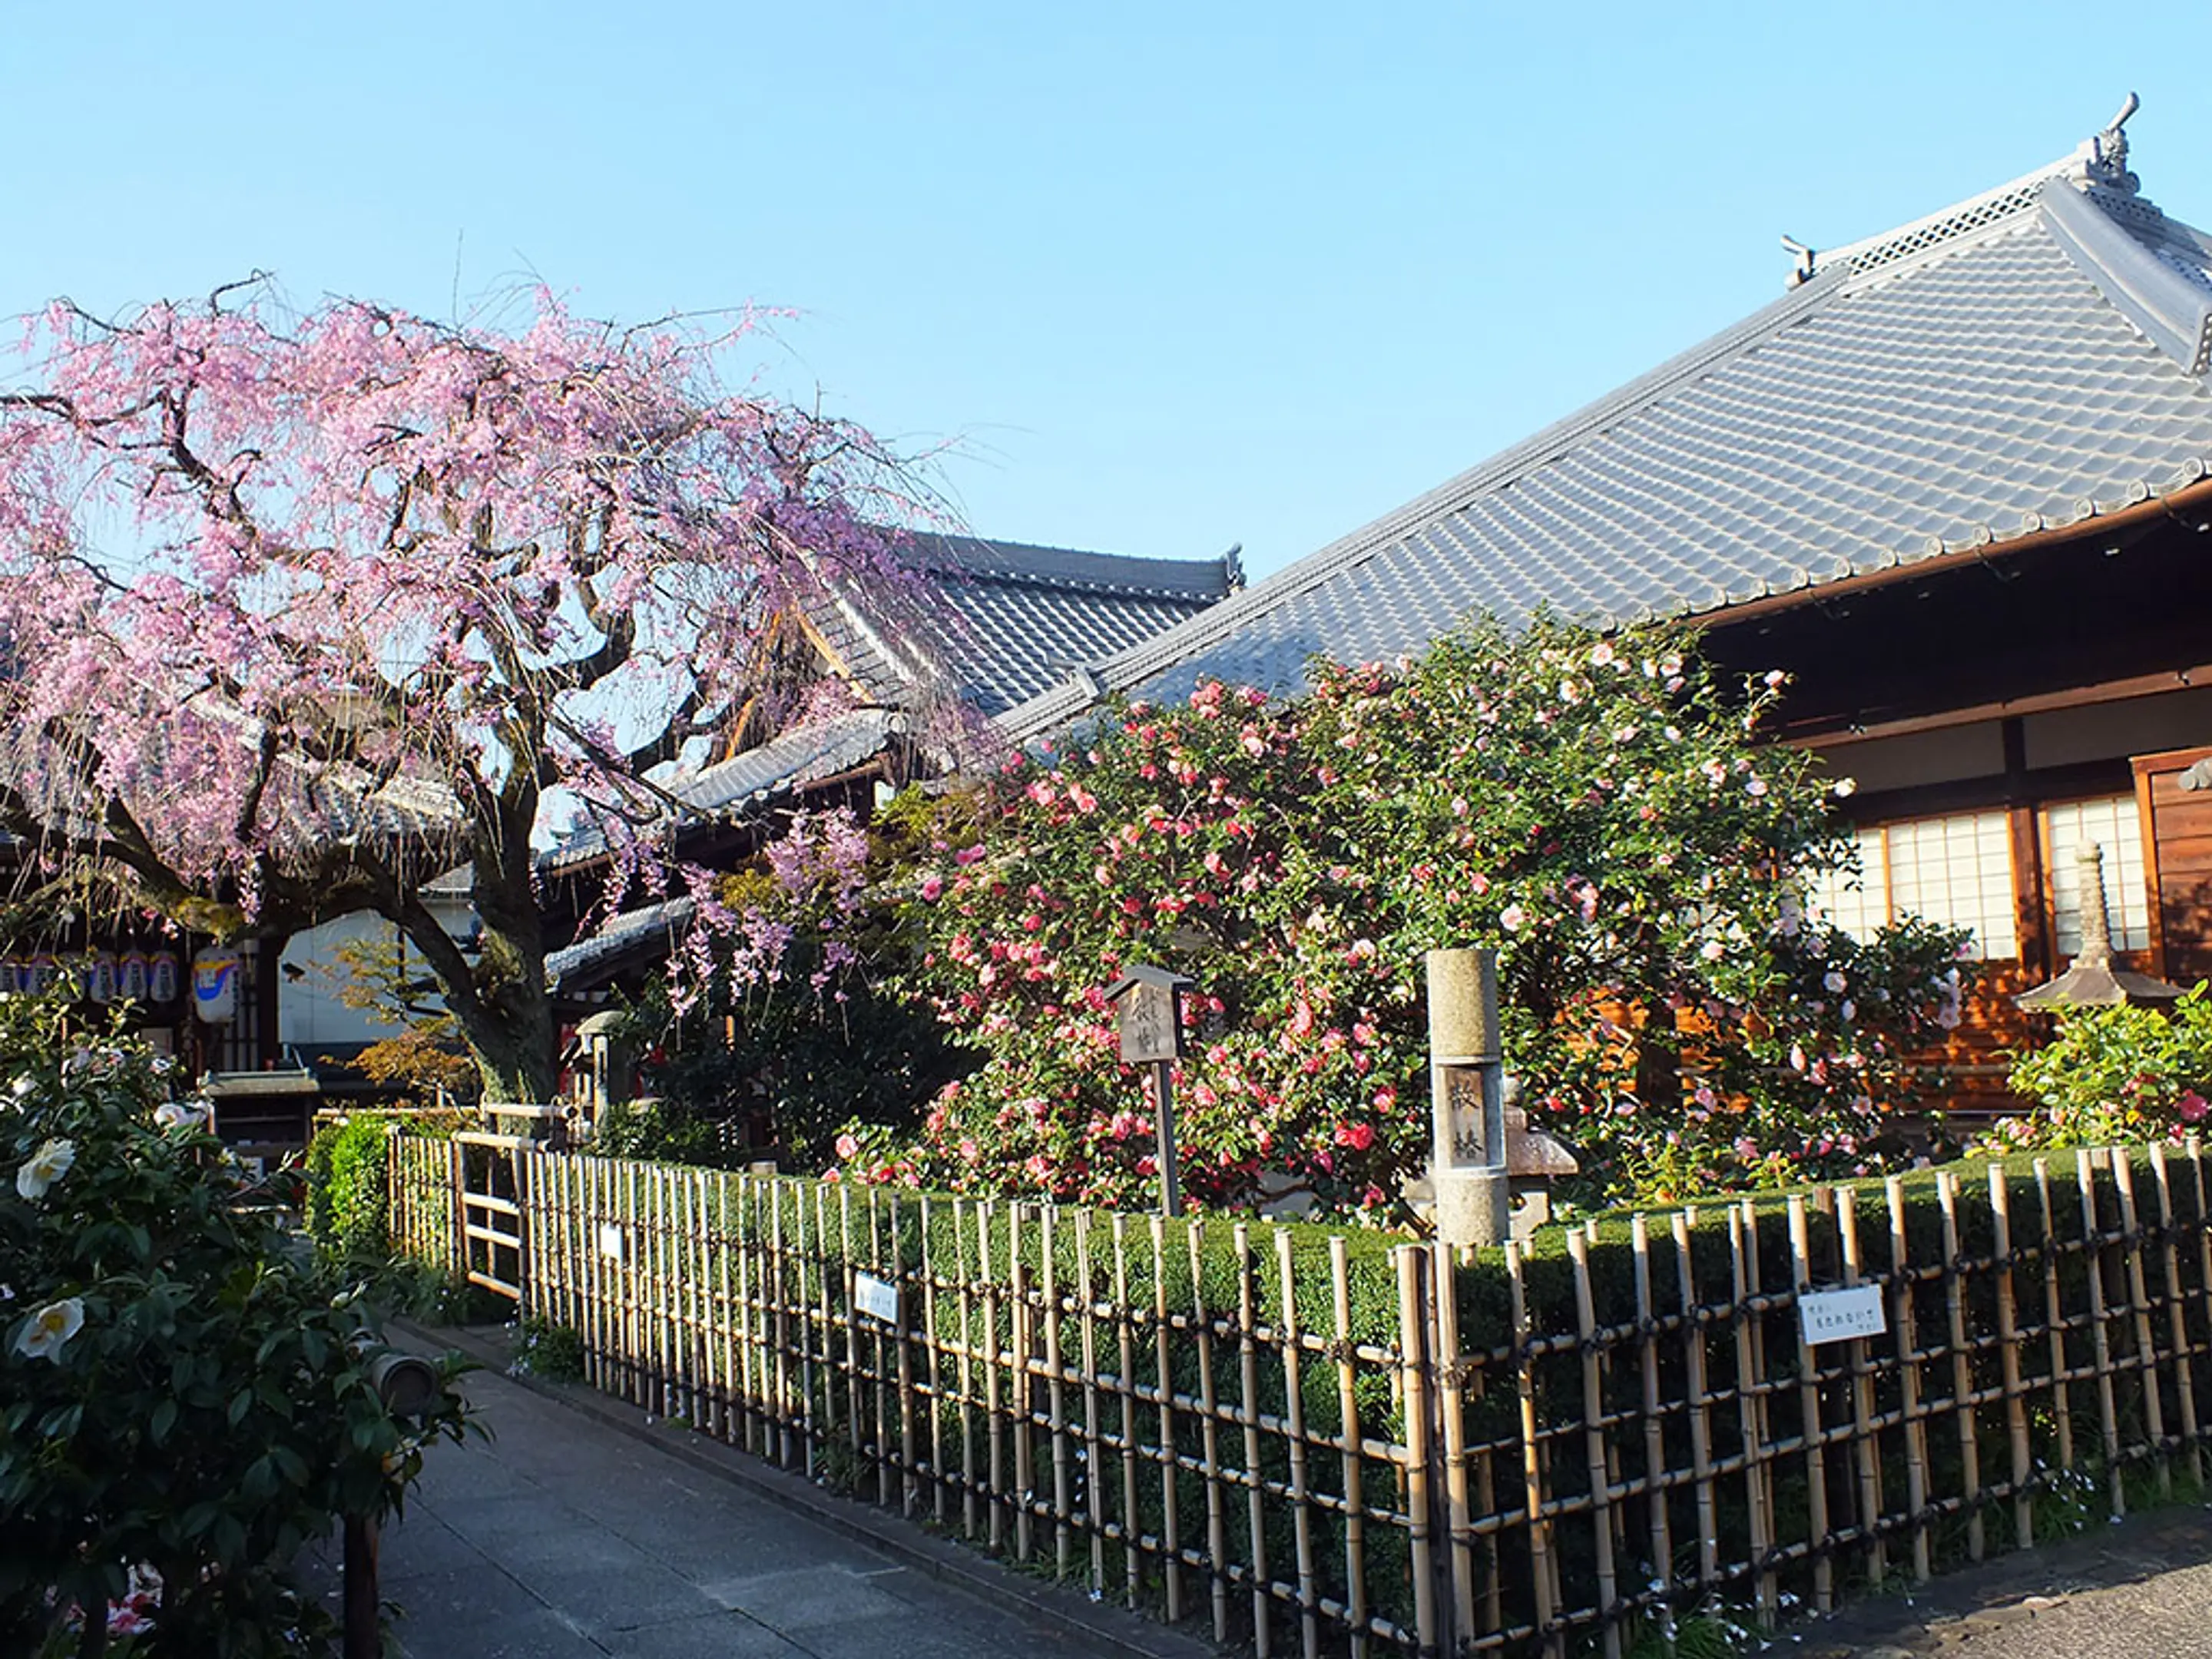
(179, 1391)
(2114, 1074)
(1593, 806)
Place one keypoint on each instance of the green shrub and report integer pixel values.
(2114, 1074)
(183, 1401)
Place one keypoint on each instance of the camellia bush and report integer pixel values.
(1592, 807)
(2109, 1075)
(184, 1403)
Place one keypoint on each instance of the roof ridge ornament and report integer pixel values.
(2104, 155)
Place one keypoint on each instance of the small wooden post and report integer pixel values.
(1413, 1325)
(1962, 1366)
(1149, 1003)
(1294, 1414)
(1532, 1463)
(1593, 1445)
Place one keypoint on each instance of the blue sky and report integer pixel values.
(1170, 276)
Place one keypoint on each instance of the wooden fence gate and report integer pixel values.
(487, 1182)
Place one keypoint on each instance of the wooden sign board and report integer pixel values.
(610, 1241)
(1150, 1030)
(875, 1299)
(1841, 1315)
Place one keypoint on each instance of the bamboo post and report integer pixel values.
(1750, 1418)
(1698, 1400)
(1655, 1423)
(994, 1423)
(908, 1404)
(2092, 1248)
(1164, 1391)
(1459, 1536)
(1867, 1452)
(1594, 1446)
(970, 1486)
(1063, 1537)
(933, 1342)
(1962, 1373)
(2123, 1180)
(1294, 1428)
(1125, 1334)
(1413, 1321)
(1021, 1375)
(2177, 1319)
(2054, 1319)
(1532, 1463)
(1209, 1429)
(1908, 1373)
(1248, 1412)
(1094, 1451)
(2023, 1462)
(1349, 1445)
(1813, 1431)
(825, 1324)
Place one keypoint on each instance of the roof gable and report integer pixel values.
(2024, 360)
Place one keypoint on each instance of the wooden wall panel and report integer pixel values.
(2180, 826)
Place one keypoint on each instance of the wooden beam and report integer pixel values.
(2083, 696)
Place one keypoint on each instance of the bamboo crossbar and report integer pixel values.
(1322, 1444)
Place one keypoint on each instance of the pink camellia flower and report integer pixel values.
(933, 888)
(1511, 918)
(847, 1146)
(970, 1152)
(2191, 1108)
(1747, 1149)
(1357, 1136)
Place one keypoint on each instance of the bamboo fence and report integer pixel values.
(1350, 1444)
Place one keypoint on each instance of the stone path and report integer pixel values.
(571, 1535)
(2140, 1589)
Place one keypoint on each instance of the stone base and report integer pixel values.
(1473, 1206)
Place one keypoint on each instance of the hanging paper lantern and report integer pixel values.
(131, 976)
(43, 972)
(215, 983)
(162, 975)
(11, 976)
(100, 977)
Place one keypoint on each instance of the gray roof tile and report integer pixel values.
(2016, 362)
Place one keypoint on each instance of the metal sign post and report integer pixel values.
(1148, 1006)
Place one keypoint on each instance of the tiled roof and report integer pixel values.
(649, 931)
(1015, 619)
(2024, 360)
(807, 754)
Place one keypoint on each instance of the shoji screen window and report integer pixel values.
(1956, 870)
(2112, 822)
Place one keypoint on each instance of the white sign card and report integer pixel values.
(610, 1241)
(878, 1298)
(1841, 1315)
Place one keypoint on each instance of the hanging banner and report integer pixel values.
(215, 984)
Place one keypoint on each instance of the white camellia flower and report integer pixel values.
(51, 1328)
(44, 1167)
(185, 1114)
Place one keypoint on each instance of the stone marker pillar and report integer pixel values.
(1467, 1097)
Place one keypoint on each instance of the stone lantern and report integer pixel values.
(2092, 981)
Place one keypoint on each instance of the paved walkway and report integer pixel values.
(577, 1532)
(2140, 1589)
(582, 1529)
